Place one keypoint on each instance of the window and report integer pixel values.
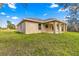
(39, 26)
(46, 26)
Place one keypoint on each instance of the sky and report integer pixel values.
(16, 12)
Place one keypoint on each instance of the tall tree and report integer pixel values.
(73, 20)
(10, 25)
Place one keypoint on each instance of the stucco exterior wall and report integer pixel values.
(21, 28)
(32, 27)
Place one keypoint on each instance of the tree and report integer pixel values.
(10, 25)
(73, 20)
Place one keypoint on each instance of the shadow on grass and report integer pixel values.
(36, 33)
(18, 32)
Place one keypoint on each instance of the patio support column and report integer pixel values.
(55, 27)
(59, 27)
(65, 28)
(42, 27)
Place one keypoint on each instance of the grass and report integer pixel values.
(43, 44)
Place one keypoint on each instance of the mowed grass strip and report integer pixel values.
(41, 44)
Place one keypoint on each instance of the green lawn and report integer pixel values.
(12, 43)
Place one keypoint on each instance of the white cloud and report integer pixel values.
(60, 10)
(12, 5)
(45, 14)
(67, 16)
(63, 10)
(14, 17)
(2, 13)
(7, 16)
(54, 5)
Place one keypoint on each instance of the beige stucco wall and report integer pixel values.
(21, 27)
(32, 27)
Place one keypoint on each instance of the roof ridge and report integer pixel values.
(43, 21)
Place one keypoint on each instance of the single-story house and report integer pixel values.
(31, 25)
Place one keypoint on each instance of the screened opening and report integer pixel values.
(39, 26)
(62, 28)
(46, 26)
(52, 27)
(58, 26)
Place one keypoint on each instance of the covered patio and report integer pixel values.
(54, 27)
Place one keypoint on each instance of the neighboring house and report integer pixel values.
(29, 26)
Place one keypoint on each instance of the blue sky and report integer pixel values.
(16, 12)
